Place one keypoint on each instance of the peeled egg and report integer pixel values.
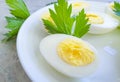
(101, 22)
(78, 6)
(109, 10)
(69, 55)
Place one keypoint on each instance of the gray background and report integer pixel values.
(10, 67)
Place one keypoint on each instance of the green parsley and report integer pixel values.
(13, 25)
(117, 8)
(18, 8)
(64, 22)
(61, 17)
(20, 12)
(81, 26)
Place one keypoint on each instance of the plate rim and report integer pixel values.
(19, 34)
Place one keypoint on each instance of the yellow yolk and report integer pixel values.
(111, 5)
(95, 19)
(47, 17)
(80, 5)
(75, 53)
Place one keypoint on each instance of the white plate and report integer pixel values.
(32, 32)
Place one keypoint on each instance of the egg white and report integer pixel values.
(48, 50)
(111, 12)
(84, 5)
(109, 24)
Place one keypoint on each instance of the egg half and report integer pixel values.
(101, 22)
(78, 6)
(109, 10)
(69, 55)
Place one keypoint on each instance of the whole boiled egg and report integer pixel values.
(69, 55)
(101, 22)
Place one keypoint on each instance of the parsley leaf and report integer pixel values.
(50, 27)
(64, 22)
(62, 13)
(20, 12)
(117, 8)
(81, 26)
(13, 22)
(13, 25)
(18, 8)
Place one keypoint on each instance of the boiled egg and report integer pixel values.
(109, 10)
(78, 6)
(101, 22)
(69, 55)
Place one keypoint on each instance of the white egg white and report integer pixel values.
(84, 5)
(110, 11)
(48, 50)
(109, 24)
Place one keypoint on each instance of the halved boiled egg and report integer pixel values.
(78, 6)
(101, 22)
(109, 10)
(69, 55)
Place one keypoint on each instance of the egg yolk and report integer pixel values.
(95, 19)
(47, 17)
(75, 53)
(111, 5)
(80, 5)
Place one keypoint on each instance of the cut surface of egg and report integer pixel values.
(69, 55)
(75, 52)
(78, 6)
(109, 10)
(101, 22)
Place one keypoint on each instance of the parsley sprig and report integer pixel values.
(20, 12)
(64, 22)
(61, 15)
(81, 26)
(117, 8)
